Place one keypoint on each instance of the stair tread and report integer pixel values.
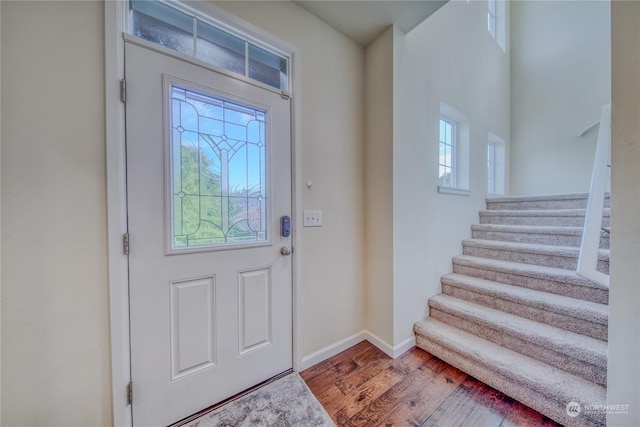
(535, 248)
(580, 309)
(539, 212)
(539, 271)
(562, 341)
(533, 229)
(539, 376)
(543, 197)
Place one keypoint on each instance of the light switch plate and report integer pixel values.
(312, 218)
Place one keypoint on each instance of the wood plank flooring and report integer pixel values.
(362, 386)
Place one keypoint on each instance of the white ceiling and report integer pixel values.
(363, 20)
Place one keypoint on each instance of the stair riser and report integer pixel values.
(566, 262)
(543, 220)
(554, 408)
(544, 239)
(542, 204)
(539, 284)
(569, 323)
(581, 368)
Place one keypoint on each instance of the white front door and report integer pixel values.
(208, 180)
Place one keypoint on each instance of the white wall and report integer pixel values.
(55, 333)
(560, 65)
(379, 129)
(0, 216)
(329, 99)
(450, 58)
(623, 375)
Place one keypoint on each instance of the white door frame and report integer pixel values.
(115, 25)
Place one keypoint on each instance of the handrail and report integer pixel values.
(589, 248)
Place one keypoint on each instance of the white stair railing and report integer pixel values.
(589, 249)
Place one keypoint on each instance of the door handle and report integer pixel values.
(285, 251)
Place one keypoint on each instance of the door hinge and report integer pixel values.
(129, 393)
(123, 90)
(125, 243)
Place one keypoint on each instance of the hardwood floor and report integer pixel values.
(362, 386)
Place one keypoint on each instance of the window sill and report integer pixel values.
(454, 191)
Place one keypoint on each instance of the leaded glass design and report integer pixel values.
(218, 171)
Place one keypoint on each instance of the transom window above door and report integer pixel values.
(176, 27)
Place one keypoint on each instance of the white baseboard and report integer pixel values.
(404, 346)
(331, 350)
(390, 351)
(380, 343)
(340, 346)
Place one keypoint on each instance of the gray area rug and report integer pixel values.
(284, 402)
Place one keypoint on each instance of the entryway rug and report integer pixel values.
(286, 402)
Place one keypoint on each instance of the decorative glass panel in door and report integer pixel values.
(218, 164)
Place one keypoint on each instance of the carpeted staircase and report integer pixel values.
(515, 315)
